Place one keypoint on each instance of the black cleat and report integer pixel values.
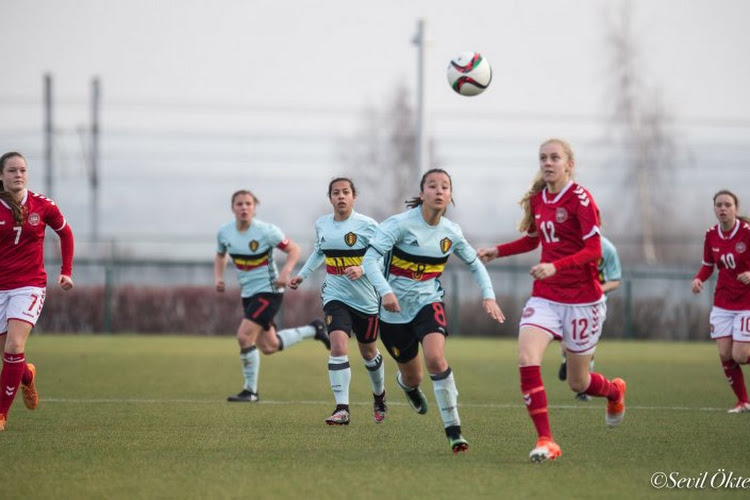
(562, 373)
(244, 397)
(321, 333)
(456, 441)
(379, 408)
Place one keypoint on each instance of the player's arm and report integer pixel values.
(293, 252)
(220, 262)
(67, 245)
(706, 270)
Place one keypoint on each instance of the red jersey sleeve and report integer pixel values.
(591, 251)
(524, 244)
(67, 245)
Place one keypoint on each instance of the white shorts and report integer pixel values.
(726, 323)
(579, 326)
(24, 304)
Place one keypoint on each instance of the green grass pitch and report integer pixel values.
(146, 417)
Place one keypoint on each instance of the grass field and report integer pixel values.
(146, 417)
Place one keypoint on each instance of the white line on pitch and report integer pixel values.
(397, 403)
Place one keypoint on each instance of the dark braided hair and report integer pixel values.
(7, 197)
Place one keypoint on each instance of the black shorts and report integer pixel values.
(340, 316)
(402, 339)
(262, 307)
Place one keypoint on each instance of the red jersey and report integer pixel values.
(22, 247)
(564, 221)
(730, 252)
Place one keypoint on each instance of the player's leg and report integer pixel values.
(339, 375)
(403, 346)
(444, 387)
(532, 342)
(366, 329)
(14, 365)
(722, 331)
(741, 356)
(562, 372)
(247, 335)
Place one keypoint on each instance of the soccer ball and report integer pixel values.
(469, 73)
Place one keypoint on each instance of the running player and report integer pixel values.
(350, 303)
(418, 243)
(23, 281)
(250, 244)
(727, 246)
(566, 301)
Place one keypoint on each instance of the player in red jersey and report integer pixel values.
(727, 246)
(23, 218)
(566, 302)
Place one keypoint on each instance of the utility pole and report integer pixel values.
(94, 174)
(421, 160)
(48, 135)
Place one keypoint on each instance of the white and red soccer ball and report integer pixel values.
(469, 73)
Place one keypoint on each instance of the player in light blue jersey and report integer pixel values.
(419, 242)
(610, 275)
(350, 303)
(250, 244)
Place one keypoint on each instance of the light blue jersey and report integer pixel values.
(419, 253)
(609, 265)
(252, 255)
(341, 244)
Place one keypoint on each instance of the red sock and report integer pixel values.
(26, 378)
(535, 397)
(10, 379)
(736, 380)
(601, 386)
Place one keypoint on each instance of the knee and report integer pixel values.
(412, 378)
(740, 358)
(435, 364)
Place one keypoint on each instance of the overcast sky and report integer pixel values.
(293, 66)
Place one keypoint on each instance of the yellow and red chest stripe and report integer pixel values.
(416, 267)
(338, 260)
(249, 262)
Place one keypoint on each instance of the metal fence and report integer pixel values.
(652, 302)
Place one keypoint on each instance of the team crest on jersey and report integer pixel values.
(561, 215)
(350, 239)
(740, 247)
(329, 319)
(528, 312)
(34, 219)
(396, 352)
(445, 245)
(253, 245)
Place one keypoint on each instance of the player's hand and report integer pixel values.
(493, 309)
(543, 270)
(294, 282)
(487, 254)
(220, 286)
(65, 282)
(744, 278)
(390, 303)
(697, 286)
(282, 280)
(354, 272)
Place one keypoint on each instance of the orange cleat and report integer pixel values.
(3, 421)
(546, 449)
(616, 409)
(30, 396)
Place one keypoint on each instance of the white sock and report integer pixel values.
(291, 336)
(446, 396)
(376, 371)
(340, 375)
(250, 367)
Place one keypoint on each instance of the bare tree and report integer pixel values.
(643, 126)
(380, 157)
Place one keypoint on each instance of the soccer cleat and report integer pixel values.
(339, 417)
(546, 449)
(3, 421)
(244, 397)
(30, 396)
(616, 409)
(562, 373)
(456, 440)
(379, 408)
(582, 396)
(321, 333)
(740, 408)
